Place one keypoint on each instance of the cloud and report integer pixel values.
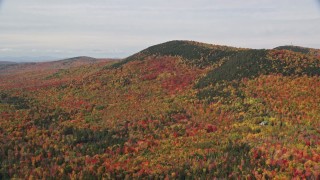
(5, 49)
(1, 4)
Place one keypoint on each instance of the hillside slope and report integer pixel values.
(176, 110)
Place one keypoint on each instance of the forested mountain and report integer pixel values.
(177, 110)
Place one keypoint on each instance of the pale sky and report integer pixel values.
(119, 28)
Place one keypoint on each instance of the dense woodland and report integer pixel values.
(177, 110)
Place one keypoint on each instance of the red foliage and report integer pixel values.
(211, 128)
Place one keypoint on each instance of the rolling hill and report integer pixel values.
(176, 110)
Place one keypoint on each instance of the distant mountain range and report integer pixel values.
(9, 67)
(6, 62)
(28, 58)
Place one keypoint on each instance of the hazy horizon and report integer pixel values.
(118, 28)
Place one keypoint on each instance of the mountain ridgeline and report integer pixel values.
(176, 110)
(236, 63)
(233, 64)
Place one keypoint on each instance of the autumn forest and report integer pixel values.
(177, 110)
